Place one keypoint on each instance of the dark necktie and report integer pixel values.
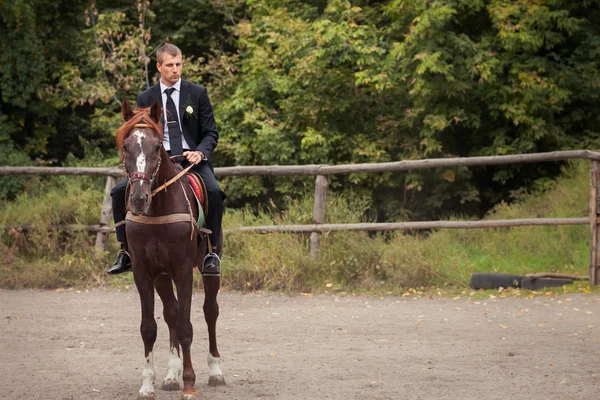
(173, 125)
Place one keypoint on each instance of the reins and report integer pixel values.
(174, 179)
(167, 219)
(142, 176)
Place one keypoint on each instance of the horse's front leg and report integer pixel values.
(211, 313)
(145, 288)
(185, 332)
(164, 287)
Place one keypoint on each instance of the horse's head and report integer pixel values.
(140, 141)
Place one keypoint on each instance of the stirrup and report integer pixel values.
(211, 265)
(124, 251)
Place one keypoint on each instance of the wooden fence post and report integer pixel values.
(106, 213)
(321, 186)
(594, 231)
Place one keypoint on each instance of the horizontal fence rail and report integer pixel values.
(370, 227)
(321, 172)
(408, 226)
(315, 169)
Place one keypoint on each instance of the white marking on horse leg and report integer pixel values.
(175, 366)
(215, 376)
(148, 377)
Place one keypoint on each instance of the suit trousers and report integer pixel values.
(215, 203)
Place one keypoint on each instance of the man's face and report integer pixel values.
(170, 69)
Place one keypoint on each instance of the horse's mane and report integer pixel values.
(140, 116)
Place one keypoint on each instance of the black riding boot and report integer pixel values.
(122, 263)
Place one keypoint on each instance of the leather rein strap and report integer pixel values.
(172, 180)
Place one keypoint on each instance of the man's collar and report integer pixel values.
(176, 85)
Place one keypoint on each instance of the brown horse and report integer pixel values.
(165, 247)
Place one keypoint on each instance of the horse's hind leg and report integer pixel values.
(164, 288)
(185, 331)
(211, 313)
(148, 331)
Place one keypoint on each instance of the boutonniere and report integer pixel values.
(190, 112)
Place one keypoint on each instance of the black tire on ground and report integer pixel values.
(540, 283)
(485, 280)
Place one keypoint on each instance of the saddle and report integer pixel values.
(199, 189)
(209, 262)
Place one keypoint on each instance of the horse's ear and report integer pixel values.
(126, 111)
(155, 111)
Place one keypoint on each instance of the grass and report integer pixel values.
(392, 263)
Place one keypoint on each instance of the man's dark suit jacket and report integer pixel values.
(199, 130)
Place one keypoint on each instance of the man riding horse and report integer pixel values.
(190, 131)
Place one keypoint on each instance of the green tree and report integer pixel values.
(407, 80)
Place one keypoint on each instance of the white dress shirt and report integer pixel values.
(175, 97)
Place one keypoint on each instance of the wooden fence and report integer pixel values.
(321, 172)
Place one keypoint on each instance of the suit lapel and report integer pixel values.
(184, 97)
(156, 95)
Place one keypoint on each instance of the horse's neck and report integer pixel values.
(167, 169)
(170, 200)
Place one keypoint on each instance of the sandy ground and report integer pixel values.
(86, 345)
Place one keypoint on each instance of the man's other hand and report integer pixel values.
(194, 157)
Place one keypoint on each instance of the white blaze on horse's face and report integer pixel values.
(140, 162)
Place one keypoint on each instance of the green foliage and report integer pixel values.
(43, 257)
(408, 80)
(526, 249)
(394, 262)
(38, 38)
(11, 186)
(318, 82)
(351, 261)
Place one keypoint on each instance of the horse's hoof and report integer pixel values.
(188, 397)
(216, 380)
(170, 385)
(149, 396)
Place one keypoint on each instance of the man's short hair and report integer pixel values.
(169, 49)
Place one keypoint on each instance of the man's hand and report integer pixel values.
(194, 157)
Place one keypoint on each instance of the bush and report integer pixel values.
(350, 261)
(11, 186)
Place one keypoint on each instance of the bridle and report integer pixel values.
(142, 176)
(167, 219)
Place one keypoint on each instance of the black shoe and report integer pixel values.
(122, 264)
(211, 266)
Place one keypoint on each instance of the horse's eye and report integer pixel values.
(157, 148)
(124, 149)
